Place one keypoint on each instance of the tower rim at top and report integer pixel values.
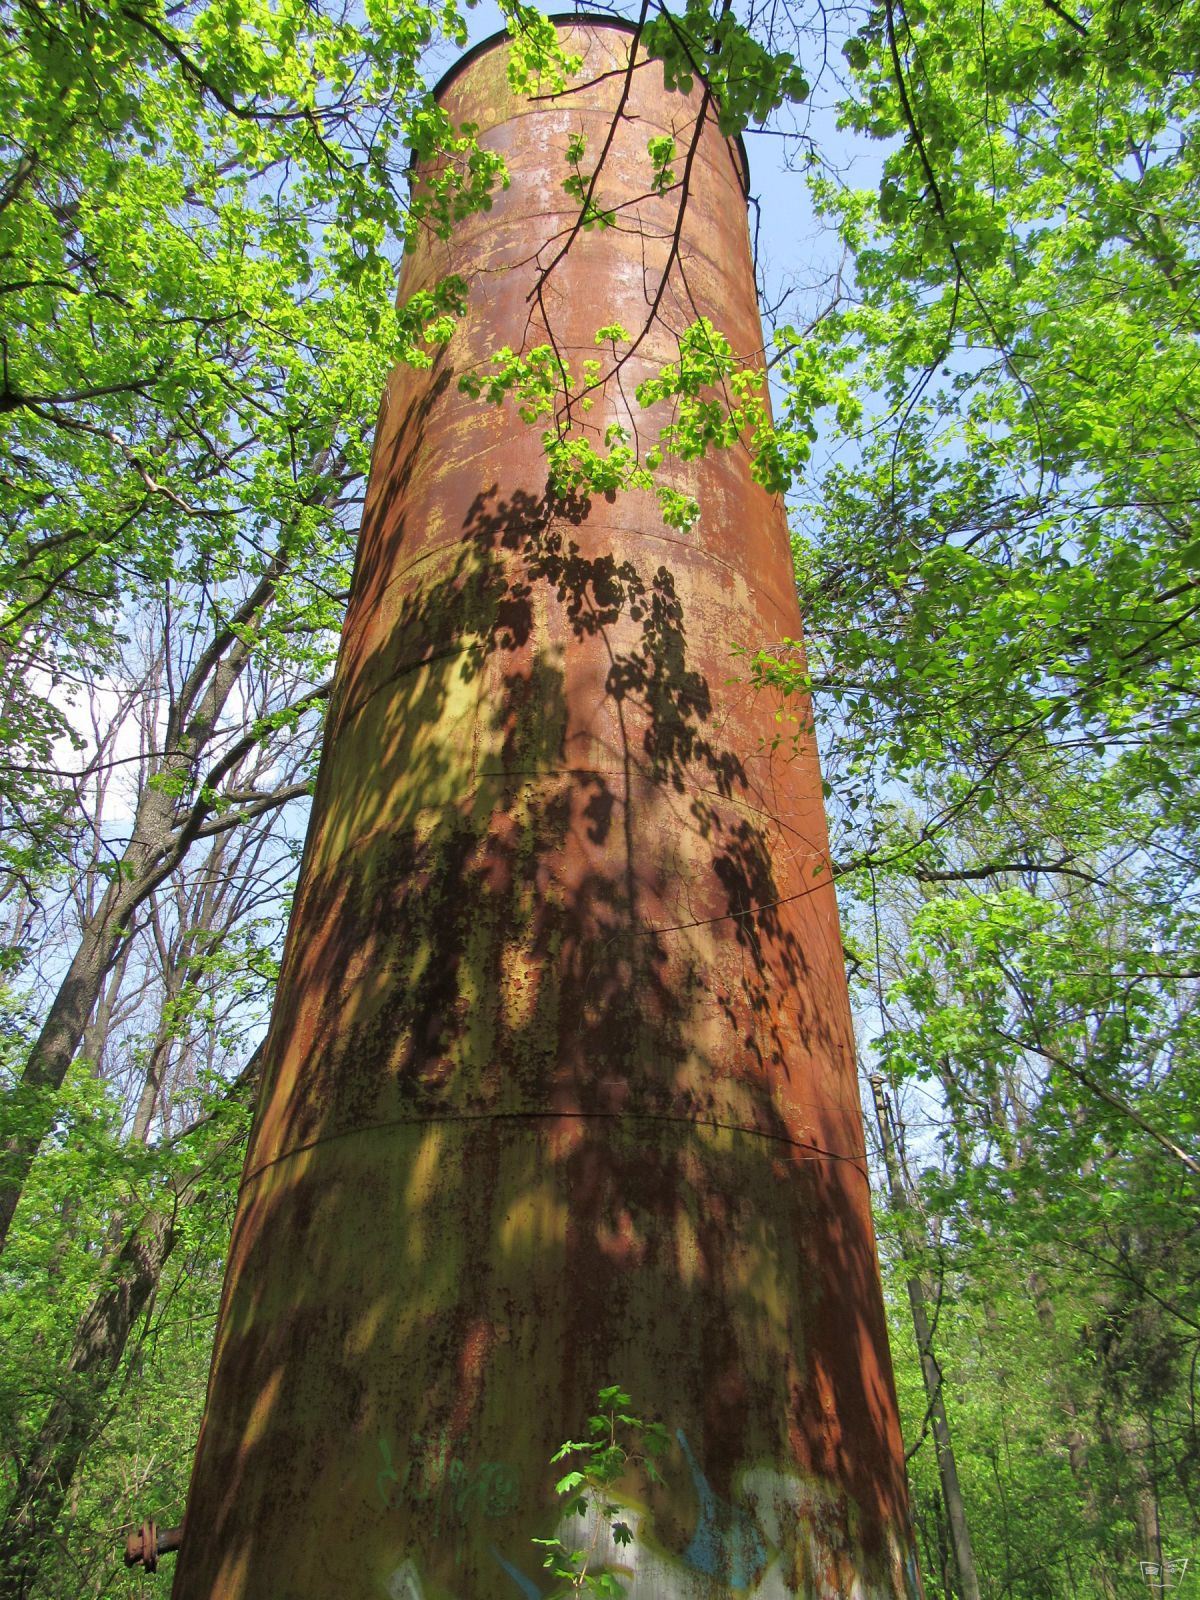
(591, 19)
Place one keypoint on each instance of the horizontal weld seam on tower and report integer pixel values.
(815, 1151)
(488, 774)
(453, 541)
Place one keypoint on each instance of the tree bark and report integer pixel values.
(931, 1372)
(1135, 1445)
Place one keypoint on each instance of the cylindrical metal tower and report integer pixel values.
(560, 1084)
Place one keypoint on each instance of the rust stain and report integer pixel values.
(560, 1082)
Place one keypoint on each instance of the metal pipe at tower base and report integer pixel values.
(560, 1082)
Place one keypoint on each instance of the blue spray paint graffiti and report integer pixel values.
(912, 1582)
(726, 1543)
(527, 1587)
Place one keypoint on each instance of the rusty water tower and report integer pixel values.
(560, 1084)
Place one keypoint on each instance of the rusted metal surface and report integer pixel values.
(145, 1544)
(560, 1082)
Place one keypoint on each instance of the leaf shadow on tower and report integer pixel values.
(552, 1095)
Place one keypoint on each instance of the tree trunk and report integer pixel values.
(100, 944)
(931, 1373)
(1145, 1513)
(160, 1060)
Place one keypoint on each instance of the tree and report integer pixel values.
(918, 1298)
